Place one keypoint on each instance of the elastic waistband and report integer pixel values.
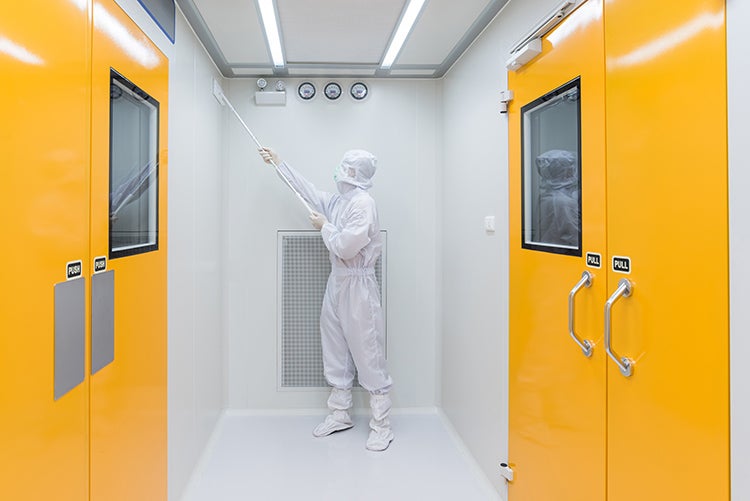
(360, 272)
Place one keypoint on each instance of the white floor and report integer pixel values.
(276, 458)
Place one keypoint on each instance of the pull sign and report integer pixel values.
(74, 269)
(100, 264)
(620, 264)
(593, 260)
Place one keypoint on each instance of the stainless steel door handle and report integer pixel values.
(624, 288)
(586, 346)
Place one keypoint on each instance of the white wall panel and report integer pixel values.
(398, 122)
(196, 380)
(475, 265)
(207, 231)
(183, 449)
(738, 71)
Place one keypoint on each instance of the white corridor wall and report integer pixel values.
(196, 337)
(738, 71)
(399, 123)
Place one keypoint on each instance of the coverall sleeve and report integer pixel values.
(354, 236)
(318, 200)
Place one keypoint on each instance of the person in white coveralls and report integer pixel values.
(351, 320)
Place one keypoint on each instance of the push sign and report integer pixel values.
(74, 269)
(100, 264)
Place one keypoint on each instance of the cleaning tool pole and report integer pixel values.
(301, 199)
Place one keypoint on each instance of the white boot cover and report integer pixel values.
(339, 402)
(381, 434)
(335, 421)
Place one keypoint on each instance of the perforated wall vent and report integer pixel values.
(303, 272)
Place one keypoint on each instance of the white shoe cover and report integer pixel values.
(381, 434)
(336, 421)
(379, 439)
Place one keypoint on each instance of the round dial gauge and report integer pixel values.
(358, 91)
(333, 91)
(306, 90)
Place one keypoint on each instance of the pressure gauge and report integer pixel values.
(358, 91)
(261, 83)
(306, 91)
(280, 86)
(333, 91)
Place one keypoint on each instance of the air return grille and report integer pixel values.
(303, 272)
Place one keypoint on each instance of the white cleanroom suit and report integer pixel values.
(558, 197)
(351, 319)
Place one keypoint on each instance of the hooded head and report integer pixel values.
(558, 169)
(356, 169)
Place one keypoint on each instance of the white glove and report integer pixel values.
(268, 156)
(318, 220)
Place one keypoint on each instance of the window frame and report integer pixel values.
(526, 241)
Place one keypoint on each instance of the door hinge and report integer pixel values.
(506, 96)
(506, 471)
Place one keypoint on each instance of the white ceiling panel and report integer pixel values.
(351, 31)
(337, 37)
(236, 27)
(440, 27)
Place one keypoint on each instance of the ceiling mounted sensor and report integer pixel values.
(332, 91)
(359, 91)
(306, 91)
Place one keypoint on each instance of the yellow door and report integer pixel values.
(129, 228)
(557, 394)
(44, 139)
(667, 212)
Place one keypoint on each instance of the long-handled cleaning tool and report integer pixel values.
(219, 95)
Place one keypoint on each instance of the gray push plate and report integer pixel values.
(70, 335)
(102, 320)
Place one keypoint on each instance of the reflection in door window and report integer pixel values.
(551, 175)
(133, 175)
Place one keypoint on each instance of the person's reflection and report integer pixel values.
(558, 198)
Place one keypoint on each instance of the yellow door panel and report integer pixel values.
(44, 139)
(129, 395)
(557, 405)
(667, 211)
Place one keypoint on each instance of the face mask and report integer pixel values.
(340, 174)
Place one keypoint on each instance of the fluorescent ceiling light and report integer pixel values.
(404, 27)
(268, 13)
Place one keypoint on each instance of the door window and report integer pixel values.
(134, 162)
(551, 172)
